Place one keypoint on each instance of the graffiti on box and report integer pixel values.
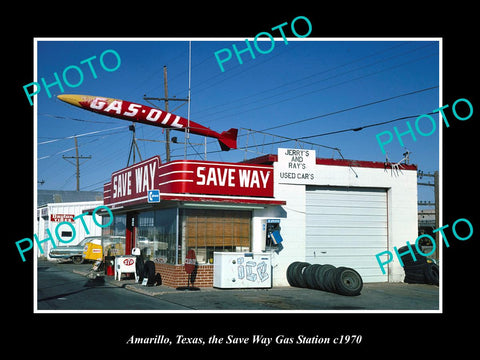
(250, 270)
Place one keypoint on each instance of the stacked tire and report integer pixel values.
(340, 280)
(420, 271)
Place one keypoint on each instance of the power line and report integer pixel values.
(286, 139)
(79, 135)
(76, 119)
(352, 108)
(331, 86)
(296, 81)
(365, 126)
(349, 109)
(322, 80)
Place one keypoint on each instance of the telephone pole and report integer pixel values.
(166, 99)
(436, 203)
(167, 131)
(77, 163)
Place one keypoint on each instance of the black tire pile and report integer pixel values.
(420, 271)
(340, 280)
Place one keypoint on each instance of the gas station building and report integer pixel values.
(326, 211)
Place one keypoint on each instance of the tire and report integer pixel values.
(77, 260)
(309, 275)
(149, 272)
(414, 268)
(320, 276)
(415, 274)
(329, 279)
(348, 282)
(431, 272)
(407, 259)
(298, 274)
(290, 279)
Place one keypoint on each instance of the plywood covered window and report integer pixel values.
(207, 231)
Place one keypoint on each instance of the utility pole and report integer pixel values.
(77, 163)
(435, 186)
(166, 99)
(167, 131)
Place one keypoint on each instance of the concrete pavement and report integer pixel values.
(374, 296)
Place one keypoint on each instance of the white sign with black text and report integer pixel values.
(296, 166)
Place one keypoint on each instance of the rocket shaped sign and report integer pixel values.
(127, 110)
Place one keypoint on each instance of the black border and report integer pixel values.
(385, 334)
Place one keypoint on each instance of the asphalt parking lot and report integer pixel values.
(374, 296)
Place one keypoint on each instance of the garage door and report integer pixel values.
(347, 227)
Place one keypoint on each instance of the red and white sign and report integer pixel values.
(215, 178)
(190, 261)
(188, 177)
(128, 262)
(62, 217)
(131, 184)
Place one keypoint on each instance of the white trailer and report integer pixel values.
(51, 216)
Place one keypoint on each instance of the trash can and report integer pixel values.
(110, 265)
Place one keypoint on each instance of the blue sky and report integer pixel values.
(304, 79)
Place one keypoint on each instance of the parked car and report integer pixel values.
(73, 252)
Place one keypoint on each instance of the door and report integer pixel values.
(130, 231)
(347, 227)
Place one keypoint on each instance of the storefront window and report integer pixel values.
(207, 231)
(113, 236)
(117, 227)
(157, 235)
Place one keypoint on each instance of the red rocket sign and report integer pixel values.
(126, 110)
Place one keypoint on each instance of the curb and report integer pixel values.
(129, 285)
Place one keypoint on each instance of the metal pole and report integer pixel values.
(189, 94)
(77, 162)
(167, 131)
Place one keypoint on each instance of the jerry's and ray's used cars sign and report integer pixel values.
(130, 185)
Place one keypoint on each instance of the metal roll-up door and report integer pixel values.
(347, 227)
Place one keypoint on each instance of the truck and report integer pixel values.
(72, 252)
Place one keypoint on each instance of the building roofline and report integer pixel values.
(271, 158)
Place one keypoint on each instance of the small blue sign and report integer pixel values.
(273, 221)
(153, 196)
